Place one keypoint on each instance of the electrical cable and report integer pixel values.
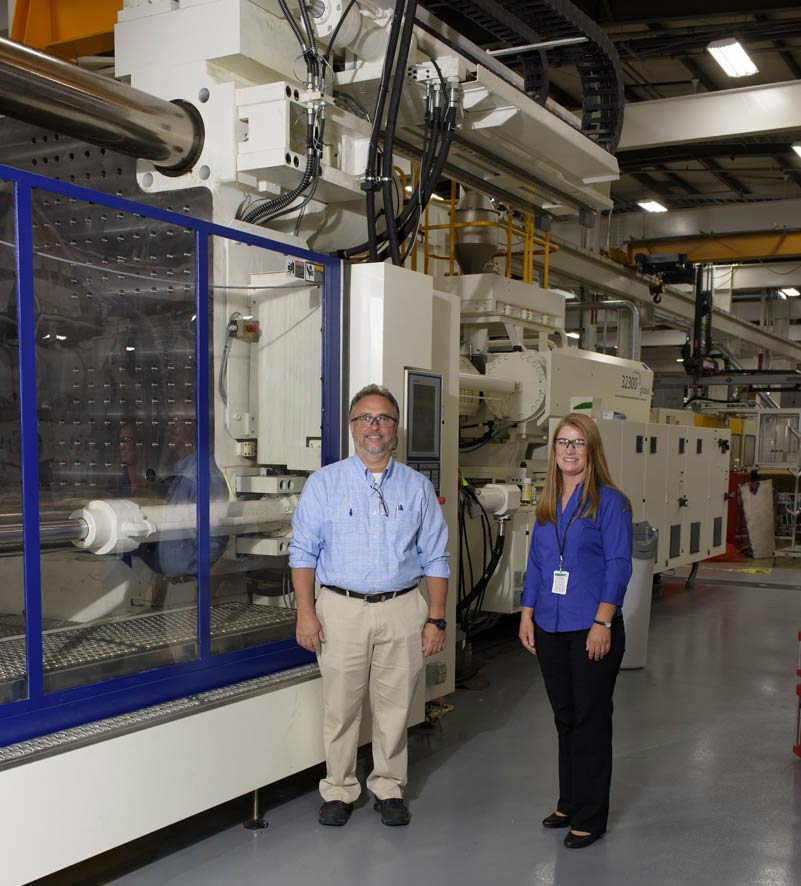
(447, 139)
(222, 380)
(292, 24)
(378, 115)
(263, 212)
(427, 182)
(389, 130)
(312, 61)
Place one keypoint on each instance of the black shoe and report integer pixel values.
(576, 841)
(556, 821)
(335, 813)
(394, 811)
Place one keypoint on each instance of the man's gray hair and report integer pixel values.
(374, 390)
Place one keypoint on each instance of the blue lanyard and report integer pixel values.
(561, 542)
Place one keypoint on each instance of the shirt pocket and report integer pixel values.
(402, 529)
(344, 529)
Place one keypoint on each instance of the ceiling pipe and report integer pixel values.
(617, 305)
(48, 92)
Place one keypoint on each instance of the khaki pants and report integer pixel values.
(375, 646)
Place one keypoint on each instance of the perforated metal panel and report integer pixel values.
(101, 276)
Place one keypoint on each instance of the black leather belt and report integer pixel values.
(370, 598)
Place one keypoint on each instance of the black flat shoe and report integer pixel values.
(576, 841)
(394, 811)
(335, 813)
(556, 821)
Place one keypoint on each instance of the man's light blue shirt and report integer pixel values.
(342, 530)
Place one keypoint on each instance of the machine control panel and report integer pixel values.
(424, 424)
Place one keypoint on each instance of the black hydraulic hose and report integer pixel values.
(407, 221)
(372, 151)
(315, 176)
(259, 213)
(292, 24)
(480, 587)
(311, 60)
(389, 131)
(447, 140)
(424, 172)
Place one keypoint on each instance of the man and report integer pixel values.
(369, 527)
(178, 557)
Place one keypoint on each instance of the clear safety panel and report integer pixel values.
(266, 344)
(13, 654)
(115, 352)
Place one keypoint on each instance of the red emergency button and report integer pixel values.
(441, 499)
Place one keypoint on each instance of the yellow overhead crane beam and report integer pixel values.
(66, 28)
(723, 247)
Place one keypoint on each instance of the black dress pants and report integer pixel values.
(580, 692)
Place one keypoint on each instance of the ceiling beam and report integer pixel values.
(688, 153)
(721, 220)
(655, 187)
(636, 12)
(784, 52)
(708, 116)
(730, 181)
(699, 74)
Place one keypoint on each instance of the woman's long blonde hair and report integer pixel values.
(596, 474)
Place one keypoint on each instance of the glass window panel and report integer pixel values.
(265, 360)
(777, 444)
(115, 350)
(13, 660)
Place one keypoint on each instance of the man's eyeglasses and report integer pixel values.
(384, 509)
(368, 419)
(564, 444)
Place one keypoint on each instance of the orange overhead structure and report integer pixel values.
(66, 28)
(724, 247)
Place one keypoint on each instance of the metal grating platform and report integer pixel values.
(68, 646)
(68, 739)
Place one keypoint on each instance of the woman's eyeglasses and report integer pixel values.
(564, 444)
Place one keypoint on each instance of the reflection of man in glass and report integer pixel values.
(179, 556)
(133, 479)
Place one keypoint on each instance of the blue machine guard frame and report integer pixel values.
(41, 713)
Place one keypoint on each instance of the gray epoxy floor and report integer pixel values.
(706, 789)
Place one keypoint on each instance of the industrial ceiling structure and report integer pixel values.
(663, 55)
(715, 151)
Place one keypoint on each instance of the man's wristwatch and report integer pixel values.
(603, 624)
(440, 623)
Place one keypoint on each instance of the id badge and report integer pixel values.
(560, 578)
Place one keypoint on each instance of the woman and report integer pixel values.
(578, 568)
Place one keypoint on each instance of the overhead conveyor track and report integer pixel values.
(596, 60)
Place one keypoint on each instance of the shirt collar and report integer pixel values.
(574, 498)
(365, 472)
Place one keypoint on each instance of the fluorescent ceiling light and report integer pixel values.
(679, 359)
(782, 295)
(573, 335)
(731, 56)
(651, 206)
(797, 149)
(790, 291)
(563, 292)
